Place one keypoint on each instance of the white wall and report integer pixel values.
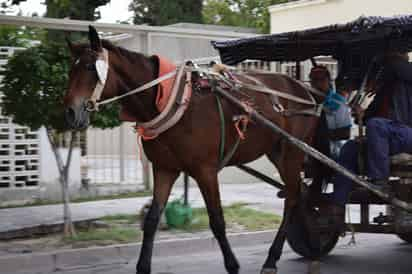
(317, 13)
(49, 174)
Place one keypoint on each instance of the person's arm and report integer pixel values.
(372, 109)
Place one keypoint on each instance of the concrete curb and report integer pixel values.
(41, 229)
(120, 254)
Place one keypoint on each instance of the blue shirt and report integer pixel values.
(338, 114)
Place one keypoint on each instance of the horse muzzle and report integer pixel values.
(77, 116)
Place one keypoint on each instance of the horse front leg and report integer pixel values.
(163, 182)
(208, 184)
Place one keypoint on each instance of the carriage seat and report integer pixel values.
(401, 165)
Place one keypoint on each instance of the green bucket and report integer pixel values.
(178, 214)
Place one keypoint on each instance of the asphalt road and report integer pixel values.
(373, 254)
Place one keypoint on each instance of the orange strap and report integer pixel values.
(241, 124)
(142, 133)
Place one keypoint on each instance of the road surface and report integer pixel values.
(373, 254)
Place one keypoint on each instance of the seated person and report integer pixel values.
(339, 121)
(388, 130)
(335, 124)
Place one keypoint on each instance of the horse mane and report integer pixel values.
(131, 55)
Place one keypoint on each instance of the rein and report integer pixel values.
(102, 68)
(94, 103)
(260, 87)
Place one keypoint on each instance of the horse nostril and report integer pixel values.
(70, 116)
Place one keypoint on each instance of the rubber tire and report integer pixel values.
(407, 237)
(296, 237)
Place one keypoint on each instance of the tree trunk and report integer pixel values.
(64, 181)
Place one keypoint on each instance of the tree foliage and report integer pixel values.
(6, 6)
(34, 84)
(165, 12)
(75, 9)
(35, 80)
(11, 36)
(245, 13)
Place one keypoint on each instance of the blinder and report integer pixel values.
(102, 69)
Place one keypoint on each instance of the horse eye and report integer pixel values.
(91, 67)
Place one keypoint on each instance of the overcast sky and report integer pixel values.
(116, 10)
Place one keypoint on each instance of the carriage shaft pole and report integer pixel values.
(310, 150)
(262, 176)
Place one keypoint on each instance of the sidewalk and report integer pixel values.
(19, 220)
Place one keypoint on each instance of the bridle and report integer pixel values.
(102, 69)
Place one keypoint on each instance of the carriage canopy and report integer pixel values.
(353, 44)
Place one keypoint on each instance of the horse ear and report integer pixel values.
(69, 44)
(74, 49)
(95, 42)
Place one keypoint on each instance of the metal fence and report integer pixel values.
(289, 68)
(111, 156)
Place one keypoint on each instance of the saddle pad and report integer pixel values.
(164, 89)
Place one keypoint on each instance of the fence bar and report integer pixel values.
(186, 189)
(121, 156)
(298, 71)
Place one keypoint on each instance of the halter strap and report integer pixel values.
(102, 68)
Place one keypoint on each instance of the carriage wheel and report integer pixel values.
(407, 237)
(297, 238)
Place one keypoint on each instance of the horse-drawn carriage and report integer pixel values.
(355, 47)
(189, 130)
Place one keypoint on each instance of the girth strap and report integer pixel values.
(224, 159)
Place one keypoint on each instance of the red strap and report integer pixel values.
(142, 133)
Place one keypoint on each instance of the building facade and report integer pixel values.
(305, 14)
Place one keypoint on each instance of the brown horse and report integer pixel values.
(192, 145)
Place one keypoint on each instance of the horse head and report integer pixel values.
(91, 78)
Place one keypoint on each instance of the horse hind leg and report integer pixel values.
(163, 182)
(275, 251)
(208, 184)
(288, 163)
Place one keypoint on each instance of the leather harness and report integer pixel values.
(179, 98)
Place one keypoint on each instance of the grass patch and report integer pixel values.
(106, 236)
(236, 215)
(121, 219)
(123, 227)
(86, 199)
(114, 196)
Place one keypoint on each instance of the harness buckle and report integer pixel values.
(91, 106)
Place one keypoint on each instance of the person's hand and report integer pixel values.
(367, 100)
(357, 110)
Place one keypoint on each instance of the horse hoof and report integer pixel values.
(269, 271)
(140, 270)
(314, 267)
